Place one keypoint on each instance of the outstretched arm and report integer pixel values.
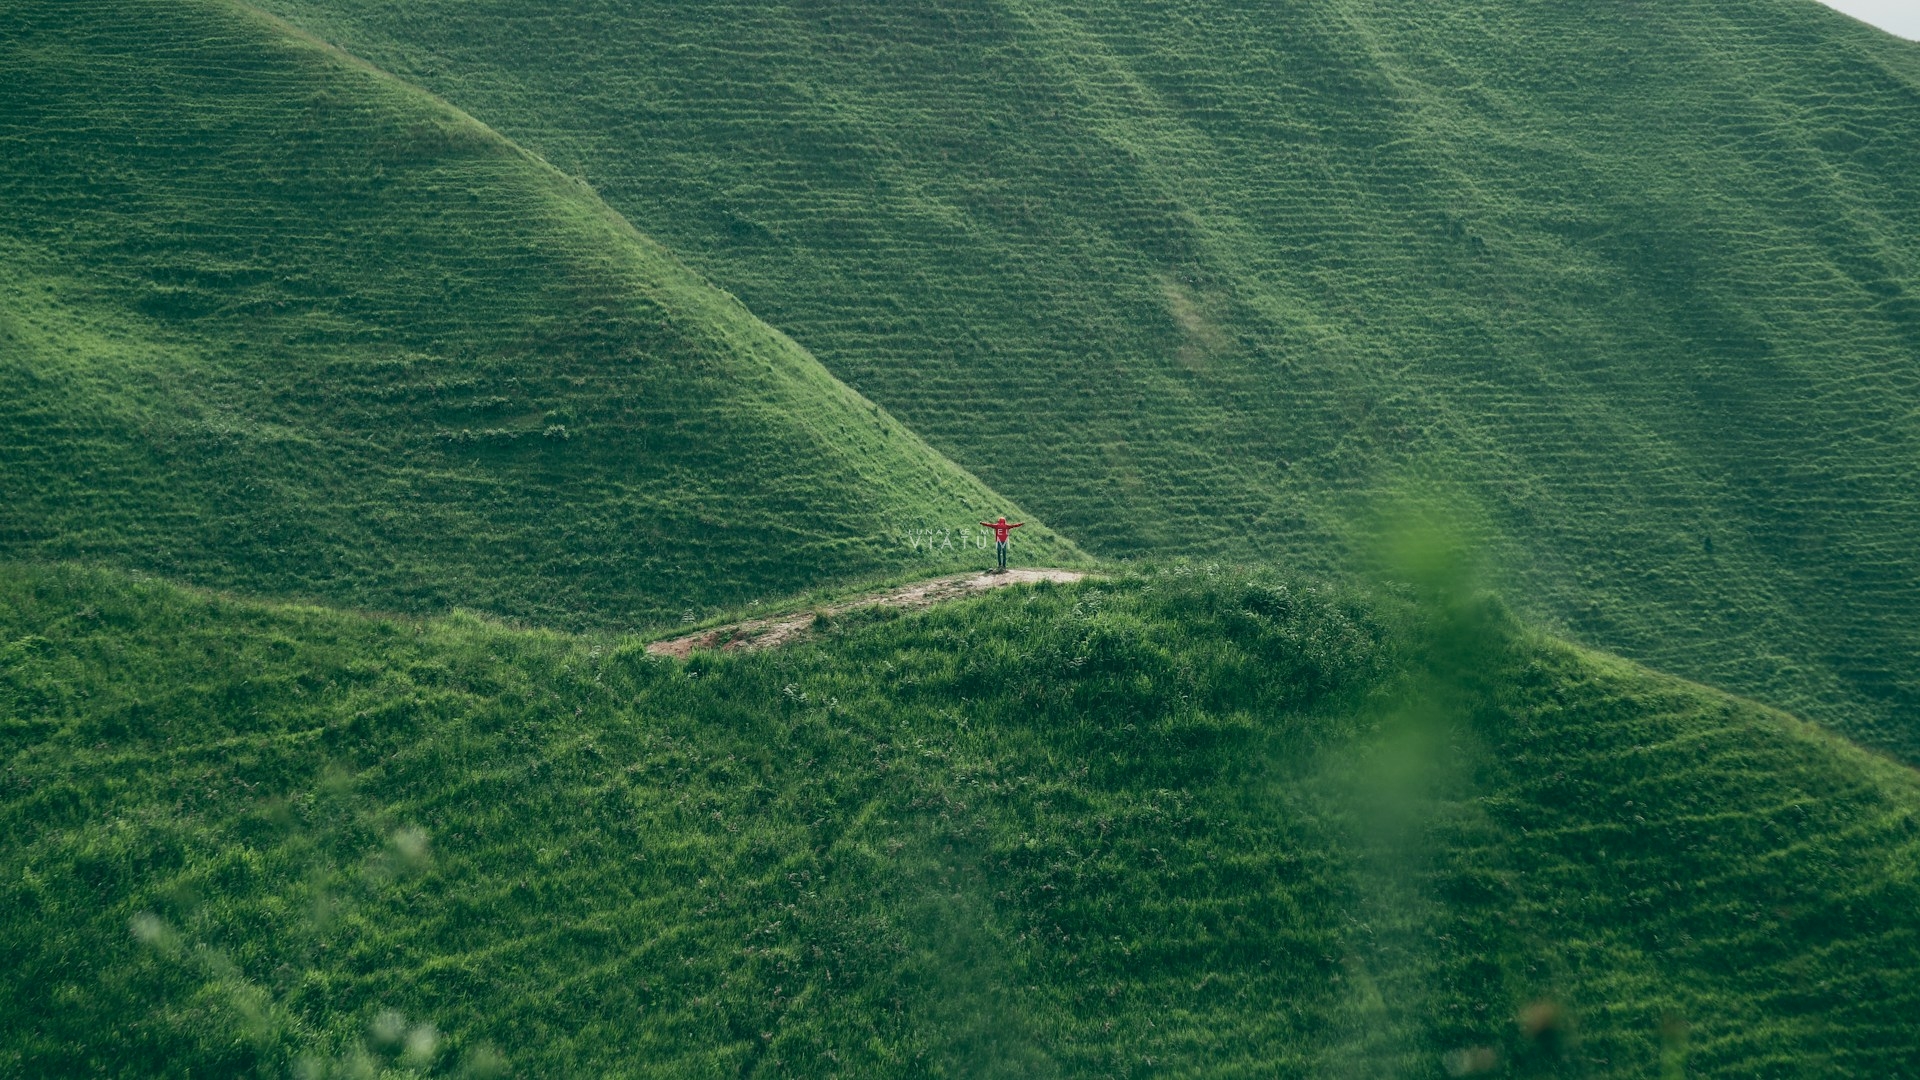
(1016, 524)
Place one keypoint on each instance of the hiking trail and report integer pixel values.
(776, 630)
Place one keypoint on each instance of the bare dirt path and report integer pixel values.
(776, 630)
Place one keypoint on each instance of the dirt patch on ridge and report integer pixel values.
(776, 630)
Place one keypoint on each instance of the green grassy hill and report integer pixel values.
(1196, 276)
(272, 321)
(1176, 824)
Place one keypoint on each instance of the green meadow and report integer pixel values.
(1193, 822)
(1201, 277)
(378, 380)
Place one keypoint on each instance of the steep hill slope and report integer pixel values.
(1194, 276)
(1177, 825)
(273, 321)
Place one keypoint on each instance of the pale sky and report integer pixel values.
(1894, 16)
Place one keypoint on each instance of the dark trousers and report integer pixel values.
(1000, 548)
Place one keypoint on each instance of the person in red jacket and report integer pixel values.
(1000, 532)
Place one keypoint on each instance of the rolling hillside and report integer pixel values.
(1179, 824)
(272, 321)
(296, 357)
(1199, 277)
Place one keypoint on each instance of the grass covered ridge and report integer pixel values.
(272, 321)
(1193, 822)
(1193, 276)
(1187, 277)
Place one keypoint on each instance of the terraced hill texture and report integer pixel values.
(1198, 276)
(1185, 824)
(272, 321)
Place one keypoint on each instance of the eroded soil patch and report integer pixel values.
(777, 630)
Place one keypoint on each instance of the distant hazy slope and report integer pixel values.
(270, 320)
(1188, 276)
(1146, 827)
